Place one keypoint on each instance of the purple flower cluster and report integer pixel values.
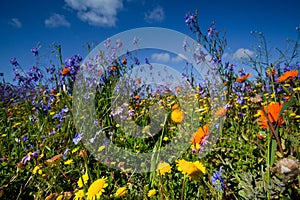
(14, 62)
(212, 30)
(73, 63)
(190, 19)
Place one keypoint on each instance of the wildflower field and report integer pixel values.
(244, 142)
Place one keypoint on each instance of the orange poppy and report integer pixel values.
(199, 135)
(273, 111)
(65, 71)
(288, 75)
(242, 78)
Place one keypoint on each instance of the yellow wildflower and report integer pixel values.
(85, 179)
(121, 192)
(79, 195)
(163, 168)
(96, 189)
(152, 193)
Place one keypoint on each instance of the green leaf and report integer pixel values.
(287, 105)
(272, 152)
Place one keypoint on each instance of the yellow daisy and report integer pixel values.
(190, 169)
(79, 195)
(121, 192)
(163, 168)
(96, 189)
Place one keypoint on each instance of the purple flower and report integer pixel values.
(135, 41)
(107, 43)
(25, 159)
(119, 43)
(35, 51)
(28, 157)
(136, 60)
(130, 113)
(211, 30)
(147, 61)
(77, 138)
(217, 181)
(189, 19)
(65, 153)
(14, 62)
(52, 132)
(34, 154)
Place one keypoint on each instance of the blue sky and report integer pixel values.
(73, 23)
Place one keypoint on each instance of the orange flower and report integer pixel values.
(242, 78)
(9, 114)
(136, 97)
(178, 89)
(175, 106)
(177, 116)
(138, 80)
(53, 91)
(65, 71)
(221, 112)
(273, 111)
(259, 136)
(287, 76)
(113, 68)
(199, 135)
(124, 61)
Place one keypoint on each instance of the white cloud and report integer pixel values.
(161, 57)
(178, 58)
(242, 53)
(97, 12)
(165, 57)
(57, 20)
(15, 22)
(155, 15)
